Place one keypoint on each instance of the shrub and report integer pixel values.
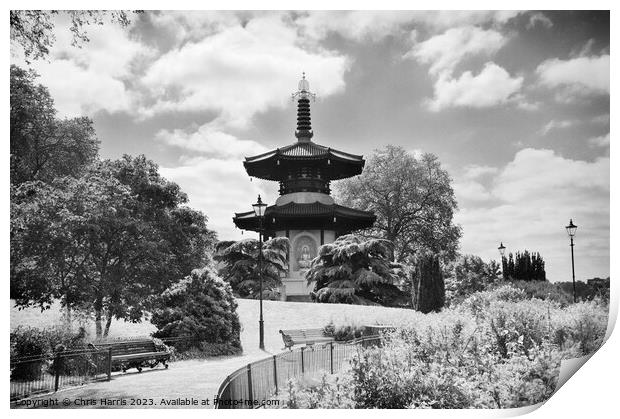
(201, 306)
(329, 392)
(43, 343)
(343, 333)
(468, 274)
(498, 349)
(544, 290)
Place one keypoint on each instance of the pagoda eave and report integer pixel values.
(317, 216)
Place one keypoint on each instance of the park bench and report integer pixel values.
(135, 354)
(307, 336)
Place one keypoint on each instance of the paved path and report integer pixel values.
(198, 379)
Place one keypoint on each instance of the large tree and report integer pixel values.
(412, 199)
(103, 243)
(239, 265)
(43, 146)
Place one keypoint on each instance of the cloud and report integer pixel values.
(475, 171)
(442, 19)
(528, 202)
(368, 25)
(92, 78)
(211, 140)
(219, 187)
(576, 76)
(600, 141)
(538, 18)
(356, 25)
(492, 86)
(553, 124)
(239, 71)
(443, 52)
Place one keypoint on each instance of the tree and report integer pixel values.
(201, 306)
(355, 270)
(428, 285)
(44, 147)
(240, 265)
(469, 274)
(412, 199)
(33, 29)
(103, 243)
(525, 266)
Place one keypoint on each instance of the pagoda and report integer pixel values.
(305, 212)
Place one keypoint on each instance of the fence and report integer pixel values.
(33, 375)
(40, 374)
(252, 385)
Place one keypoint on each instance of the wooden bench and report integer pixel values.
(307, 336)
(135, 354)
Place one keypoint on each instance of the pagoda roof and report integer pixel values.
(273, 164)
(315, 215)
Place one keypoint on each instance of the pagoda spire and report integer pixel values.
(304, 128)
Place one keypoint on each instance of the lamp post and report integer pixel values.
(259, 211)
(571, 229)
(502, 251)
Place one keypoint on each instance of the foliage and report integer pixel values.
(330, 392)
(354, 270)
(201, 306)
(33, 30)
(105, 242)
(468, 274)
(545, 290)
(589, 290)
(412, 199)
(498, 349)
(343, 332)
(428, 284)
(240, 265)
(524, 266)
(40, 344)
(44, 147)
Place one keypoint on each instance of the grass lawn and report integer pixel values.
(201, 378)
(277, 314)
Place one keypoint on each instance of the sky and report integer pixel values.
(514, 104)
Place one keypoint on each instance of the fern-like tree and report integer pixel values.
(355, 270)
(239, 265)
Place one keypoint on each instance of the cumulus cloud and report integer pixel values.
(210, 140)
(219, 187)
(443, 52)
(534, 191)
(492, 86)
(93, 78)
(576, 76)
(239, 71)
(373, 25)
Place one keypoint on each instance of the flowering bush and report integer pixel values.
(498, 349)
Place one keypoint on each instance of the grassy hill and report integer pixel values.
(277, 314)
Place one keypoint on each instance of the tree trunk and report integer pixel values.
(107, 324)
(98, 311)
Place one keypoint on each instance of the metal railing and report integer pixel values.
(35, 375)
(252, 385)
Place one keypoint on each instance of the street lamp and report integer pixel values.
(502, 251)
(571, 229)
(259, 211)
